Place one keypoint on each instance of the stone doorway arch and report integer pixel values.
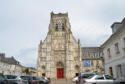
(77, 68)
(59, 64)
(60, 70)
(43, 70)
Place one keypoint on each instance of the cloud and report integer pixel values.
(28, 57)
(23, 23)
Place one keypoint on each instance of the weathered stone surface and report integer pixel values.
(59, 49)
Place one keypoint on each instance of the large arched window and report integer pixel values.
(63, 27)
(56, 27)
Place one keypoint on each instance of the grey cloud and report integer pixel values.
(23, 23)
(28, 56)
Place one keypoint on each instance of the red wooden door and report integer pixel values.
(43, 74)
(60, 72)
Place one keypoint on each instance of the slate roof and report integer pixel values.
(9, 60)
(120, 29)
(115, 23)
(88, 53)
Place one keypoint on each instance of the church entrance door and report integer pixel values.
(60, 72)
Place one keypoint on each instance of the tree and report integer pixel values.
(26, 71)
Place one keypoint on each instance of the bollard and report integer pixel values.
(76, 82)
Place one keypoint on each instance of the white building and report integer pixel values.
(114, 51)
(10, 66)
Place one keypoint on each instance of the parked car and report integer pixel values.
(75, 79)
(36, 80)
(102, 79)
(84, 75)
(43, 80)
(10, 76)
(29, 79)
(13, 79)
(2, 79)
(33, 80)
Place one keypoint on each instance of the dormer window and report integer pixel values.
(56, 27)
(63, 27)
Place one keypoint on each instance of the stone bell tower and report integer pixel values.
(59, 55)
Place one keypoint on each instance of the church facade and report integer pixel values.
(59, 55)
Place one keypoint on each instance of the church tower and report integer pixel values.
(59, 55)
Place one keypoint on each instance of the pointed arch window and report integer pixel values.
(56, 27)
(63, 27)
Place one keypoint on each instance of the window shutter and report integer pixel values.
(116, 68)
(123, 69)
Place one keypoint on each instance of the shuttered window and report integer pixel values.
(123, 69)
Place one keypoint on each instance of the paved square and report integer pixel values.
(61, 81)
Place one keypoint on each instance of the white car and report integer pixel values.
(102, 79)
(75, 79)
(13, 79)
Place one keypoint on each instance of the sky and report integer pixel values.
(23, 23)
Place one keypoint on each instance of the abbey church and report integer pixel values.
(59, 55)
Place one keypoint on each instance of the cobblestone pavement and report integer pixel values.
(61, 81)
